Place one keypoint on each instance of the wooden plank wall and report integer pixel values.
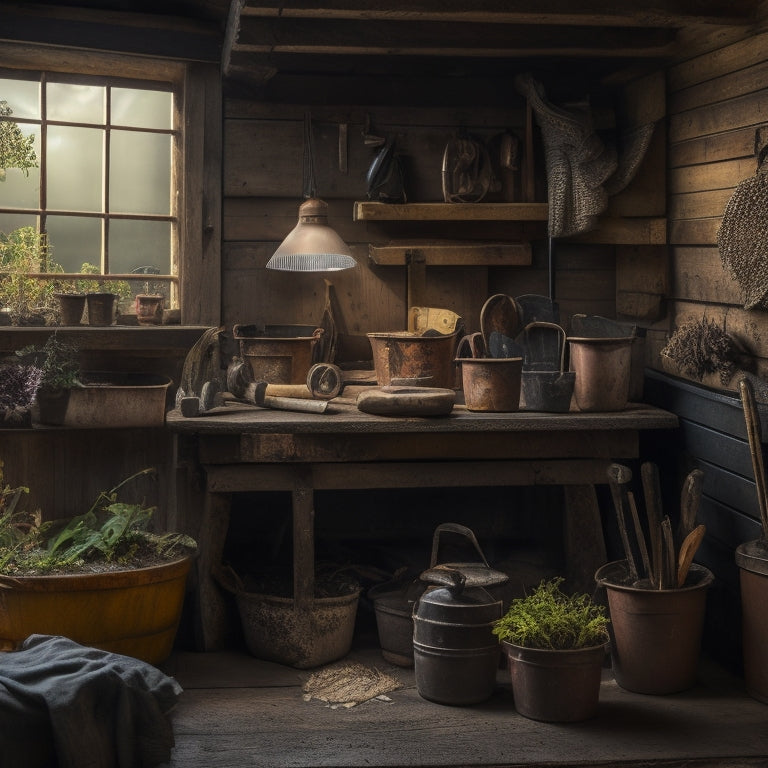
(263, 189)
(717, 100)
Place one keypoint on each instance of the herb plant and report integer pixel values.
(58, 361)
(110, 533)
(550, 619)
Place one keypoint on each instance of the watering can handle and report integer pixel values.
(454, 528)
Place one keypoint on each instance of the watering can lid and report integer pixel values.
(455, 599)
(476, 574)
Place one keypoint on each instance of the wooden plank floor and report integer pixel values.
(240, 712)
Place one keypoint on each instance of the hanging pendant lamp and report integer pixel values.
(312, 245)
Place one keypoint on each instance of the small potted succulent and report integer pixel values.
(555, 644)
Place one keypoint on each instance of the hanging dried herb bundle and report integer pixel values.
(700, 347)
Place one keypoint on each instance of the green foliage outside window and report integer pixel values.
(16, 150)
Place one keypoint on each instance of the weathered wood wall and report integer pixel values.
(263, 188)
(717, 100)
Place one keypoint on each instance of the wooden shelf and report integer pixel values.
(370, 211)
(452, 254)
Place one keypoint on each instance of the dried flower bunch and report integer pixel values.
(700, 347)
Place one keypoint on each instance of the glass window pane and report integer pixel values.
(140, 178)
(22, 96)
(12, 221)
(75, 103)
(142, 109)
(21, 188)
(75, 162)
(137, 244)
(74, 240)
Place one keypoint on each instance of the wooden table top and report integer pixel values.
(343, 417)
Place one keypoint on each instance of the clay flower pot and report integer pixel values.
(101, 308)
(149, 309)
(134, 612)
(72, 306)
(656, 633)
(556, 686)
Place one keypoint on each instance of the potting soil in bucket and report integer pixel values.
(275, 629)
(655, 633)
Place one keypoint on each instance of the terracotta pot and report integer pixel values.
(149, 309)
(556, 686)
(133, 612)
(656, 633)
(72, 306)
(101, 308)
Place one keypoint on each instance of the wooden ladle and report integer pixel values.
(688, 549)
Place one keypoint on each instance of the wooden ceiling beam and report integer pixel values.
(661, 13)
(323, 36)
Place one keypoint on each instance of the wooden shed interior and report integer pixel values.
(252, 75)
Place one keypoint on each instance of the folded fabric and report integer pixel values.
(63, 704)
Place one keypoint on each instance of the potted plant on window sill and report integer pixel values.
(102, 578)
(555, 645)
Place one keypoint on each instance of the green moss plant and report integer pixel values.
(548, 618)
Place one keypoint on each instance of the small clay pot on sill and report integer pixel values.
(149, 308)
(101, 308)
(71, 306)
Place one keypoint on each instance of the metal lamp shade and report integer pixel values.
(312, 245)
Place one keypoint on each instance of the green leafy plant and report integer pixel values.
(16, 149)
(119, 287)
(111, 533)
(58, 361)
(25, 251)
(550, 619)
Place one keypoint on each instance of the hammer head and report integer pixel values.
(259, 392)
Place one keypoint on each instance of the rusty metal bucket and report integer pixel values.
(491, 384)
(409, 355)
(547, 391)
(752, 560)
(603, 367)
(278, 354)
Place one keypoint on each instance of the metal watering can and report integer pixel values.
(456, 654)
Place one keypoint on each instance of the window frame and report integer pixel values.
(196, 161)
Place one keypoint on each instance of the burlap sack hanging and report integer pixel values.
(582, 169)
(743, 235)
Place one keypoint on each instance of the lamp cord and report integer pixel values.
(310, 189)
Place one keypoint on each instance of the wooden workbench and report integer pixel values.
(244, 448)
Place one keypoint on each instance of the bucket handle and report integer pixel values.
(454, 528)
(554, 326)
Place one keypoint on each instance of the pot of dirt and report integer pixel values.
(277, 628)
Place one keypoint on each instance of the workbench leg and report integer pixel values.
(303, 502)
(211, 616)
(583, 535)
